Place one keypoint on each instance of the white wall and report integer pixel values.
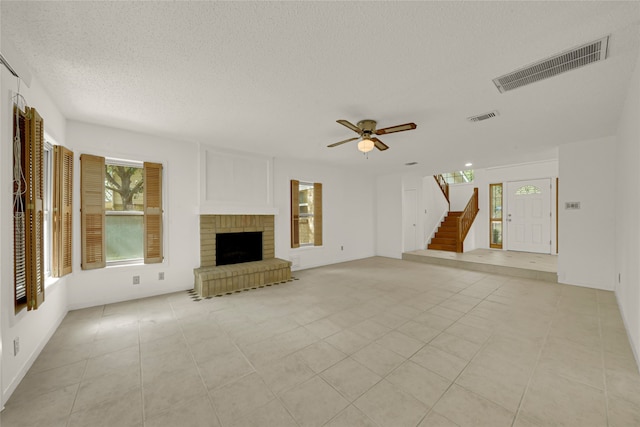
(388, 229)
(587, 235)
(627, 206)
(235, 183)
(33, 328)
(459, 195)
(181, 227)
(347, 213)
(435, 207)
(505, 174)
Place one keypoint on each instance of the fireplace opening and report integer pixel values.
(235, 248)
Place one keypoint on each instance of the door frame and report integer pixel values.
(410, 194)
(553, 207)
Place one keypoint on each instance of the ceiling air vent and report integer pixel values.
(484, 116)
(557, 64)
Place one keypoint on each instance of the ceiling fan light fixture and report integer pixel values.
(365, 145)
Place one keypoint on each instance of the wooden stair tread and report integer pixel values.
(445, 237)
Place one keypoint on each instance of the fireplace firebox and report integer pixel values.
(236, 248)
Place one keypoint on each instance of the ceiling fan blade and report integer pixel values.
(379, 144)
(335, 144)
(351, 126)
(392, 129)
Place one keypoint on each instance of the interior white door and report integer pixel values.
(529, 216)
(410, 219)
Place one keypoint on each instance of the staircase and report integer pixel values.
(455, 226)
(445, 238)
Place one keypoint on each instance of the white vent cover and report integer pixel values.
(484, 116)
(557, 64)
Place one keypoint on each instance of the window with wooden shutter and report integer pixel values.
(92, 230)
(295, 214)
(28, 204)
(306, 214)
(152, 213)
(62, 210)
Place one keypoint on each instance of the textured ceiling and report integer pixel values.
(273, 78)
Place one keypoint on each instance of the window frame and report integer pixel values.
(308, 214)
(450, 177)
(296, 215)
(110, 212)
(92, 221)
(494, 219)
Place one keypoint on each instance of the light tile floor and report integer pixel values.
(534, 261)
(375, 342)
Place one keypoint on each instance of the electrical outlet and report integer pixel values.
(161, 275)
(136, 280)
(16, 346)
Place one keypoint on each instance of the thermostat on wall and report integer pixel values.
(572, 205)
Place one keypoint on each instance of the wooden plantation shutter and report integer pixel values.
(317, 214)
(28, 209)
(20, 255)
(295, 214)
(29, 214)
(152, 213)
(92, 229)
(35, 212)
(62, 210)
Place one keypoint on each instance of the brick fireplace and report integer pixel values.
(210, 225)
(211, 279)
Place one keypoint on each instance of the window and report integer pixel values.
(459, 177)
(528, 189)
(306, 214)
(121, 218)
(42, 201)
(28, 208)
(495, 214)
(124, 208)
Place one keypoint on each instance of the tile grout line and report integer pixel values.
(195, 364)
(602, 359)
(255, 370)
(144, 420)
(84, 372)
(535, 367)
(468, 363)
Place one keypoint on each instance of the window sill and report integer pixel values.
(50, 281)
(306, 248)
(125, 264)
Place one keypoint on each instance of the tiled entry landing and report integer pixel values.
(510, 263)
(375, 342)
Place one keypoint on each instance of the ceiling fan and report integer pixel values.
(367, 128)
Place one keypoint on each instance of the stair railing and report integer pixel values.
(444, 186)
(465, 220)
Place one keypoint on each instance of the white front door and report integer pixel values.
(529, 216)
(410, 219)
